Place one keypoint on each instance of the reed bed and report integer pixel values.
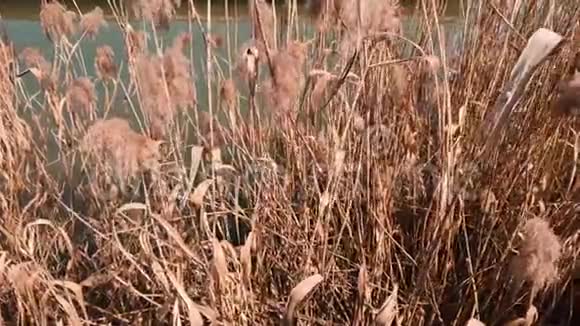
(334, 180)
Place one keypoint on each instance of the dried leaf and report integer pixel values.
(298, 294)
(199, 192)
(388, 311)
(220, 265)
(192, 311)
(246, 259)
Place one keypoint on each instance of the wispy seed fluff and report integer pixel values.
(56, 21)
(163, 94)
(160, 12)
(105, 63)
(284, 87)
(538, 255)
(40, 67)
(82, 95)
(92, 22)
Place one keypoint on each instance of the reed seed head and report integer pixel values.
(92, 22)
(539, 252)
(104, 63)
(56, 21)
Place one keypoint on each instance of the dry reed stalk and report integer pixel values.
(263, 26)
(92, 22)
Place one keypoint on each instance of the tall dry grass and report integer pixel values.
(335, 180)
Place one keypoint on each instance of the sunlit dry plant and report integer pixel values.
(92, 22)
(116, 147)
(539, 252)
(56, 21)
(284, 87)
(105, 65)
(326, 13)
(263, 27)
(40, 68)
(82, 96)
(165, 85)
(178, 74)
(159, 12)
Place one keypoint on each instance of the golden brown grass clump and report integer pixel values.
(378, 210)
(56, 21)
(538, 255)
(105, 65)
(92, 22)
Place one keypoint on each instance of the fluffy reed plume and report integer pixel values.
(82, 96)
(539, 252)
(92, 22)
(377, 18)
(263, 28)
(163, 94)
(178, 73)
(284, 87)
(159, 12)
(40, 68)
(105, 65)
(121, 150)
(56, 21)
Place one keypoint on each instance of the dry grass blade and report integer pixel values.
(298, 294)
(63, 233)
(220, 265)
(246, 260)
(199, 193)
(172, 232)
(131, 206)
(193, 313)
(388, 311)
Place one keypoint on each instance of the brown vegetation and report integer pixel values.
(338, 180)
